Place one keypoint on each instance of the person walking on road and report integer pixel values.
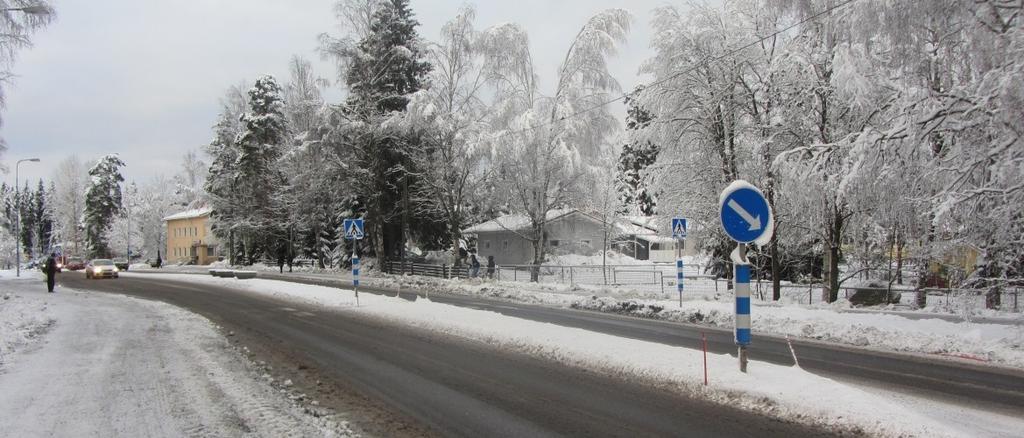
(51, 272)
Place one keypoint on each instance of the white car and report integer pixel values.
(101, 268)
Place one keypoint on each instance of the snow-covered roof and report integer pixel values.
(190, 214)
(514, 222)
(520, 222)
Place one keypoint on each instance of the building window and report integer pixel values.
(209, 251)
(553, 243)
(487, 244)
(504, 245)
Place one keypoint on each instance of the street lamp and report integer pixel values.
(32, 10)
(17, 218)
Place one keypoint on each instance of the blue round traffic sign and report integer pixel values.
(745, 213)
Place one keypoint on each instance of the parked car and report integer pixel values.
(121, 264)
(74, 264)
(101, 268)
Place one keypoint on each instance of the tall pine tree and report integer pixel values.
(387, 67)
(257, 177)
(102, 203)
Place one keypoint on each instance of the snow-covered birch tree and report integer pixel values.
(546, 139)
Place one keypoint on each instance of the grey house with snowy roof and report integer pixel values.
(569, 231)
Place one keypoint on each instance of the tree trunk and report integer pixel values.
(456, 235)
(834, 243)
(920, 294)
(231, 247)
(994, 297)
(776, 285)
(899, 258)
(538, 252)
(833, 272)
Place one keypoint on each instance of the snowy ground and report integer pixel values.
(91, 364)
(996, 343)
(787, 392)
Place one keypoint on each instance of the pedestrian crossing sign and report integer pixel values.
(678, 227)
(353, 229)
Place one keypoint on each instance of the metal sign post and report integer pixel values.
(746, 217)
(354, 231)
(679, 233)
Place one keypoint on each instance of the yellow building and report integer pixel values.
(189, 239)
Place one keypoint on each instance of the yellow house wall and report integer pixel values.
(183, 234)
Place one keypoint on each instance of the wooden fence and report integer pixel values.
(397, 267)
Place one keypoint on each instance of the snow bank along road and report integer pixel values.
(446, 385)
(118, 366)
(952, 381)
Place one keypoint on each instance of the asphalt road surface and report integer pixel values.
(447, 386)
(961, 382)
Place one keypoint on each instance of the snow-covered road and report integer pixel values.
(111, 365)
(787, 392)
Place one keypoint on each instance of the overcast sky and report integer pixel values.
(143, 78)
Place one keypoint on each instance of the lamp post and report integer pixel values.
(31, 10)
(17, 218)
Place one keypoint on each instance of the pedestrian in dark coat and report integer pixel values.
(51, 272)
(474, 266)
(490, 266)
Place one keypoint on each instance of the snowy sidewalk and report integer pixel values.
(107, 365)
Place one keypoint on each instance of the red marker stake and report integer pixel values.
(705, 339)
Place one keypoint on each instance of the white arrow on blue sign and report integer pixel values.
(353, 229)
(678, 227)
(745, 213)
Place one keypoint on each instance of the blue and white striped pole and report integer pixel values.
(355, 273)
(679, 273)
(741, 284)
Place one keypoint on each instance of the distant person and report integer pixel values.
(474, 266)
(159, 261)
(51, 272)
(281, 252)
(490, 266)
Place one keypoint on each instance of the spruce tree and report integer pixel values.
(28, 220)
(102, 203)
(43, 219)
(257, 177)
(388, 67)
(636, 156)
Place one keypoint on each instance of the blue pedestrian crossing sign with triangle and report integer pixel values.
(678, 227)
(353, 229)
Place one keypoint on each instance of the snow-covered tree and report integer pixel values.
(697, 102)
(382, 68)
(70, 181)
(220, 180)
(189, 181)
(19, 19)
(155, 200)
(636, 157)
(102, 203)
(256, 175)
(542, 151)
(451, 119)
